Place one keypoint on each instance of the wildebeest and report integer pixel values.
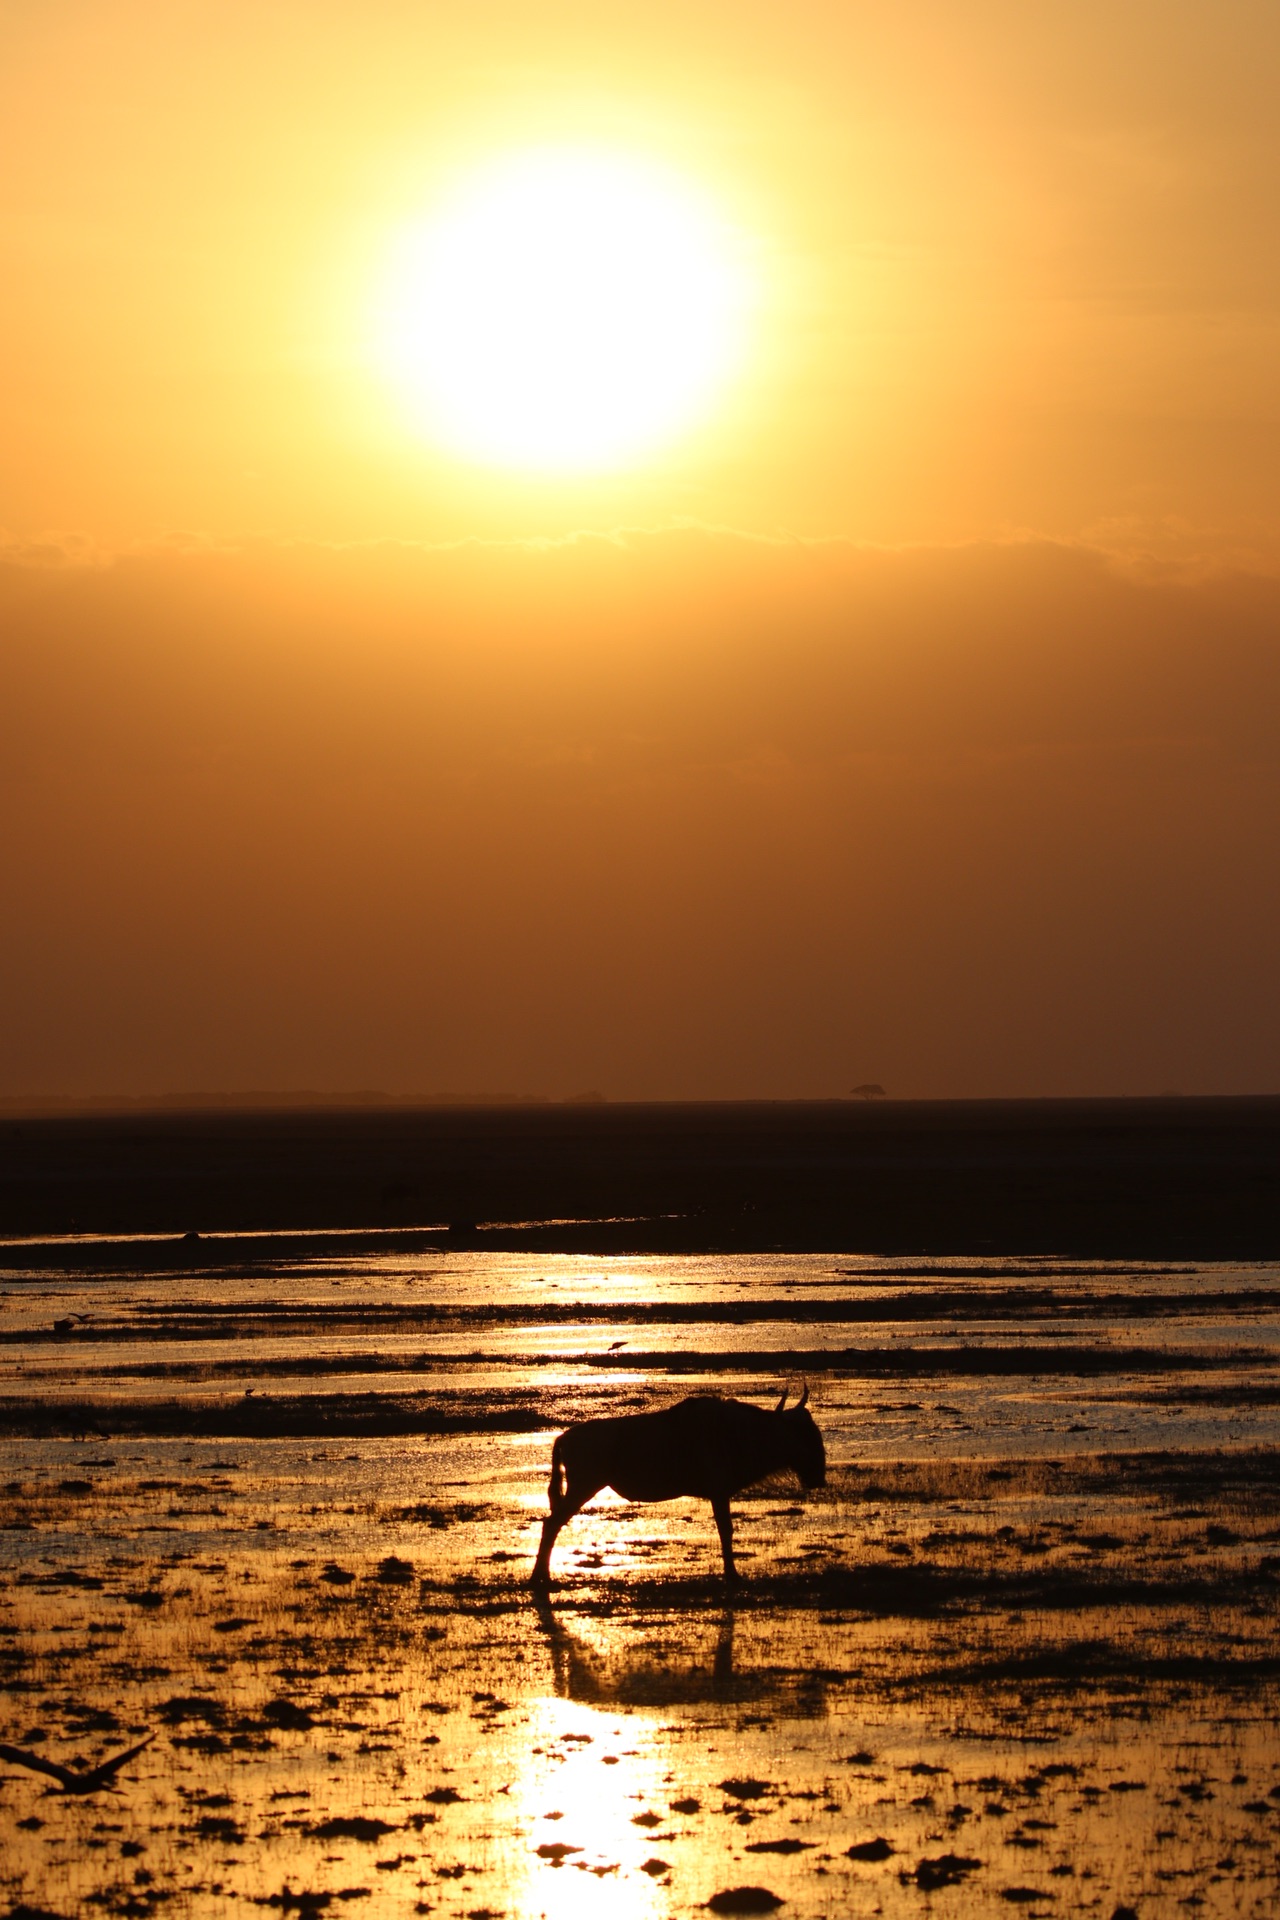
(706, 1446)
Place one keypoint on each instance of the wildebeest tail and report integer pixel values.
(558, 1482)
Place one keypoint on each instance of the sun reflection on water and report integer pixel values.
(590, 1797)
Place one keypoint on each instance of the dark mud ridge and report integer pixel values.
(305, 1416)
(192, 1319)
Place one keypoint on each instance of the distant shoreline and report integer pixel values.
(1134, 1178)
(359, 1100)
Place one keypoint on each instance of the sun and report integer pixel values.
(563, 310)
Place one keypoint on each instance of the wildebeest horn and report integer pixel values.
(804, 1397)
(783, 1401)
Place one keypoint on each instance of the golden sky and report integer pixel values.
(911, 716)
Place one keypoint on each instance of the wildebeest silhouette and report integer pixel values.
(706, 1446)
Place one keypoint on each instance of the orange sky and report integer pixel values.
(913, 718)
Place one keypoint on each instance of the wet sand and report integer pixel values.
(1019, 1655)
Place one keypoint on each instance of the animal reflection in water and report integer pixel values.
(706, 1446)
(646, 1675)
(673, 1662)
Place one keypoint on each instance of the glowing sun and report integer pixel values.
(564, 310)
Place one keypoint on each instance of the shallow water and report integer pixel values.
(1029, 1625)
(1034, 1354)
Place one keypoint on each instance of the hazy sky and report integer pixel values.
(913, 717)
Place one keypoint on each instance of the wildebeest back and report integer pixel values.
(704, 1446)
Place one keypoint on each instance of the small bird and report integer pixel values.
(615, 1344)
(76, 1779)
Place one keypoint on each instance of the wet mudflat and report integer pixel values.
(1020, 1655)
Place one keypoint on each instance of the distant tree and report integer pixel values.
(869, 1090)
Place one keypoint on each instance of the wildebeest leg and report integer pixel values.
(562, 1512)
(724, 1527)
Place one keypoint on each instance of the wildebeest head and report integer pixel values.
(805, 1453)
